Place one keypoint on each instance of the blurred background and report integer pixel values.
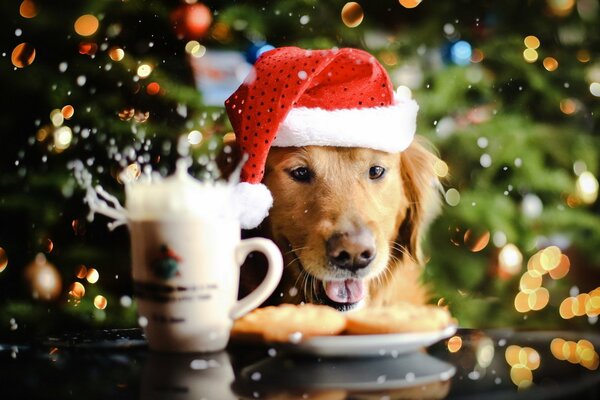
(509, 95)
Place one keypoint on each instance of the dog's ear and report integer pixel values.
(422, 188)
(229, 157)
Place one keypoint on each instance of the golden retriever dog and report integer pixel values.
(348, 222)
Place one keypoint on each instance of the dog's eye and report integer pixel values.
(301, 174)
(376, 172)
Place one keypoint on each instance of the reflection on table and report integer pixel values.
(472, 364)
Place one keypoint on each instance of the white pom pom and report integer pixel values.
(253, 202)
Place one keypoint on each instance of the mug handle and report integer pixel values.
(269, 284)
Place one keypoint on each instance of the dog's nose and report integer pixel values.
(351, 250)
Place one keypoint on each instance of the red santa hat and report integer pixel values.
(295, 97)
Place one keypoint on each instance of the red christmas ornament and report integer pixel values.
(191, 21)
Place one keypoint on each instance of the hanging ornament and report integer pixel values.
(191, 21)
(43, 279)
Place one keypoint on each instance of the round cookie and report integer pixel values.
(289, 323)
(399, 318)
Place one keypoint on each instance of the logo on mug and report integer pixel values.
(166, 264)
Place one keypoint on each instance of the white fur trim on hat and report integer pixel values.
(253, 202)
(388, 128)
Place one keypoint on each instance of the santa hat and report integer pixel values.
(295, 97)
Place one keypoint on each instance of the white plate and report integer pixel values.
(367, 345)
(357, 374)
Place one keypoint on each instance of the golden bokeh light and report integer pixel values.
(562, 269)
(452, 197)
(86, 25)
(92, 275)
(561, 8)
(81, 271)
(100, 302)
(47, 245)
(67, 111)
(389, 58)
(352, 14)
(130, 173)
(568, 106)
(28, 9)
(586, 187)
(550, 63)
(116, 53)
(538, 298)
(550, 257)
(530, 55)
(579, 304)
(89, 48)
(531, 42)
(476, 241)
(566, 308)
(583, 56)
(522, 302)
(454, 344)
(76, 290)
(43, 279)
(23, 55)
(144, 71)
(409, 3)
(195, 49)
(530, 358)
(530, 280)
(556, 348)
(3, 259)
(440, 168)
(511, 354)
(521, 376)
(535, 264)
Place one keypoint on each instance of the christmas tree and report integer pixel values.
(508, 93)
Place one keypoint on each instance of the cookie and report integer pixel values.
(399, 318)
(289, 323)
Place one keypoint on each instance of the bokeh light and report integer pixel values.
(452, 197)
(550, 63)
(530, 280)
(116, 53)
(476, 241)
(43, 279)
(86, 25)
(510, 260)
(440, 168)
(523, 361)
(586, 187)
(409, 3)
(92, 275)
(477, 56)
(62, 138)
(595, 89)
(153, 88)
(581, 352)
(23, 55)
(76, 290)
(28, 9)
(56, 117)
(126, 114)
(130, 173)
(194, 137)
(67, 111)
(454, 344)
(460, 52)
(583, 56)
(3, 259)
(568, 106)
(531, 42)
(144, 71)
(352, 14)
(530, 55)
(561, 8)
(100, 302)
(195, 49)
(81, 271)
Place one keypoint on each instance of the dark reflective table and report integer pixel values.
(474, 364)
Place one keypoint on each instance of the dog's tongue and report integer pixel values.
(348, 291)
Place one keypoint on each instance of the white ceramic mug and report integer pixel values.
(186, 277)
